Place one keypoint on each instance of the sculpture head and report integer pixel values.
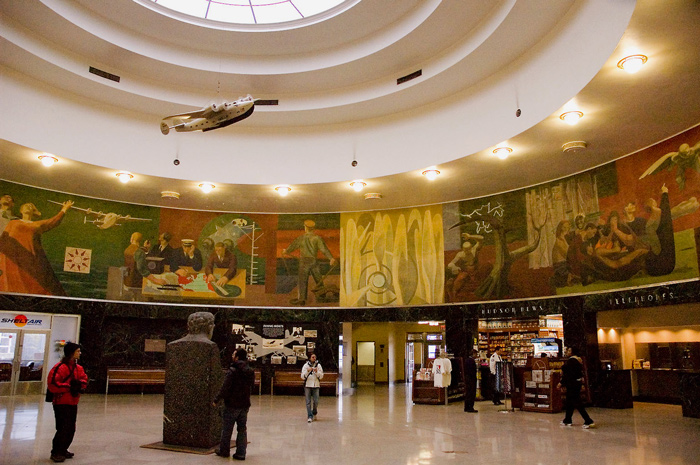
(201, 323)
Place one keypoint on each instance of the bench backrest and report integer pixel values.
(136, 374)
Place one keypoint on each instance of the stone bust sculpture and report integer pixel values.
(193, 375)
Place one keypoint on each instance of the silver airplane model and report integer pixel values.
(104, 220)
(214, 116)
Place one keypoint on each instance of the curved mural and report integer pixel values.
(625, 224)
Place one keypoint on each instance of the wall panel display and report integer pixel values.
(623, 225)
(291, 344)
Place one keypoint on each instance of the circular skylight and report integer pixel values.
(251, 12)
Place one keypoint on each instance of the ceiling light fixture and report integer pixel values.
(502, 152)
(571, 117)
(207, 187)
(283, 190)
(632, 63)
(48, 160)
(170, 195)
(358, 185)
(124, 176)
(373, 196)
(431, 174)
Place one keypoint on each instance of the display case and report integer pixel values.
(424, 392)
(539, 386)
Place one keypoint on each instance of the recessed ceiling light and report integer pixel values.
(502, 152)
(124, 176)
(632, 63)
(47, 160)
(431, 174)
(207, 187)
(571, 117)
(283, 190)
(358, 185)
(574, 146)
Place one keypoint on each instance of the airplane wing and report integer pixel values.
(205, 112)
(87, 211)
(660, 164)
(131, 218)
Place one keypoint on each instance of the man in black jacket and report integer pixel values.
(470, 382)
(571, 382)
(235, 392)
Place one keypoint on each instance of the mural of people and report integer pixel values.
(160, 254)
(221, 258)
(135, 263)
(186, 256)
(309, 245)
(463, 266)
(26, 268)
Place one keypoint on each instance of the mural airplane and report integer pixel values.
(105, 220)
(214, 116)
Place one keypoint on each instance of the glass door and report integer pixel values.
(32, 362)
(22, 362)
(8, 370)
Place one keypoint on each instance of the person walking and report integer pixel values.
(495, 358)
(66, 381)
(235, 393)
(571, 382)
(470, 382)
(311, 373)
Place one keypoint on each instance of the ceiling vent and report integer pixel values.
(170, 195)
(373, 195)
(104, 74)
(574, 146)
(408, 77)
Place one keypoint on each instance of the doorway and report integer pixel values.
(365, 362)
(23, 356)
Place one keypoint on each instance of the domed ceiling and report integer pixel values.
(397, 87)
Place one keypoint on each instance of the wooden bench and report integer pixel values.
(292, 379)
(138, 376)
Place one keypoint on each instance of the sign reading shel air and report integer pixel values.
(20, 321)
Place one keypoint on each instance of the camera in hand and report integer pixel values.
(76, 387)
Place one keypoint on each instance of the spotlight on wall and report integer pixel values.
(632, 63)
(283, 190)
(571, 117)
(207, 187)
(47, 160)
(431, 174)
(124, 176)
(358, 185)
(502, 152)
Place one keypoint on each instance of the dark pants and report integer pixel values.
(496, 394)
(66, 416)
(470, 395)
(239, 417)
(573, 402)
(308, 266)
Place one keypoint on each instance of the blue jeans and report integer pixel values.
(311, 395)
(239, 417)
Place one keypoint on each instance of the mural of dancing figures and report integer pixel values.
(392, 258)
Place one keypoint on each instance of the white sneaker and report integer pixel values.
(589, 425)
(564, 424)
(309, 420)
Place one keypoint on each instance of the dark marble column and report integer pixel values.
(690, 394)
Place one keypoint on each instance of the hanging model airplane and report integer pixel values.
(214, 116)
(105, 220)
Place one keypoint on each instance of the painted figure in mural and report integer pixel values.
(159, 254)
(309, 245)
(659, 237)
(221, 258)
(136, 266)
(463, 266)
(7, 203)
(579, 256)
(27, 269)
(617, 255)
(559, 252)
(186, 256)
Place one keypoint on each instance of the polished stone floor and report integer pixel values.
(376, 425)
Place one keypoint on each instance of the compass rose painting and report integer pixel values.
(77, 260)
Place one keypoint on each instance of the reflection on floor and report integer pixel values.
(377, 425)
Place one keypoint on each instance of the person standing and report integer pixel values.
(161, 250)
(66, 381)
(495, 358)
(235, 393)
(309, 245)
(312, 373)
(571, 382)
(470, 381)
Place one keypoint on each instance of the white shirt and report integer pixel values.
(442, 372)
(492, 362)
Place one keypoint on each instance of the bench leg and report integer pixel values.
(107, 387)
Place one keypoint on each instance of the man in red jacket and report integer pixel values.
(66, 380)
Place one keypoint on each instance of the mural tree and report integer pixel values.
(495, 285)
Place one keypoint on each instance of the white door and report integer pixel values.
(23, 360)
